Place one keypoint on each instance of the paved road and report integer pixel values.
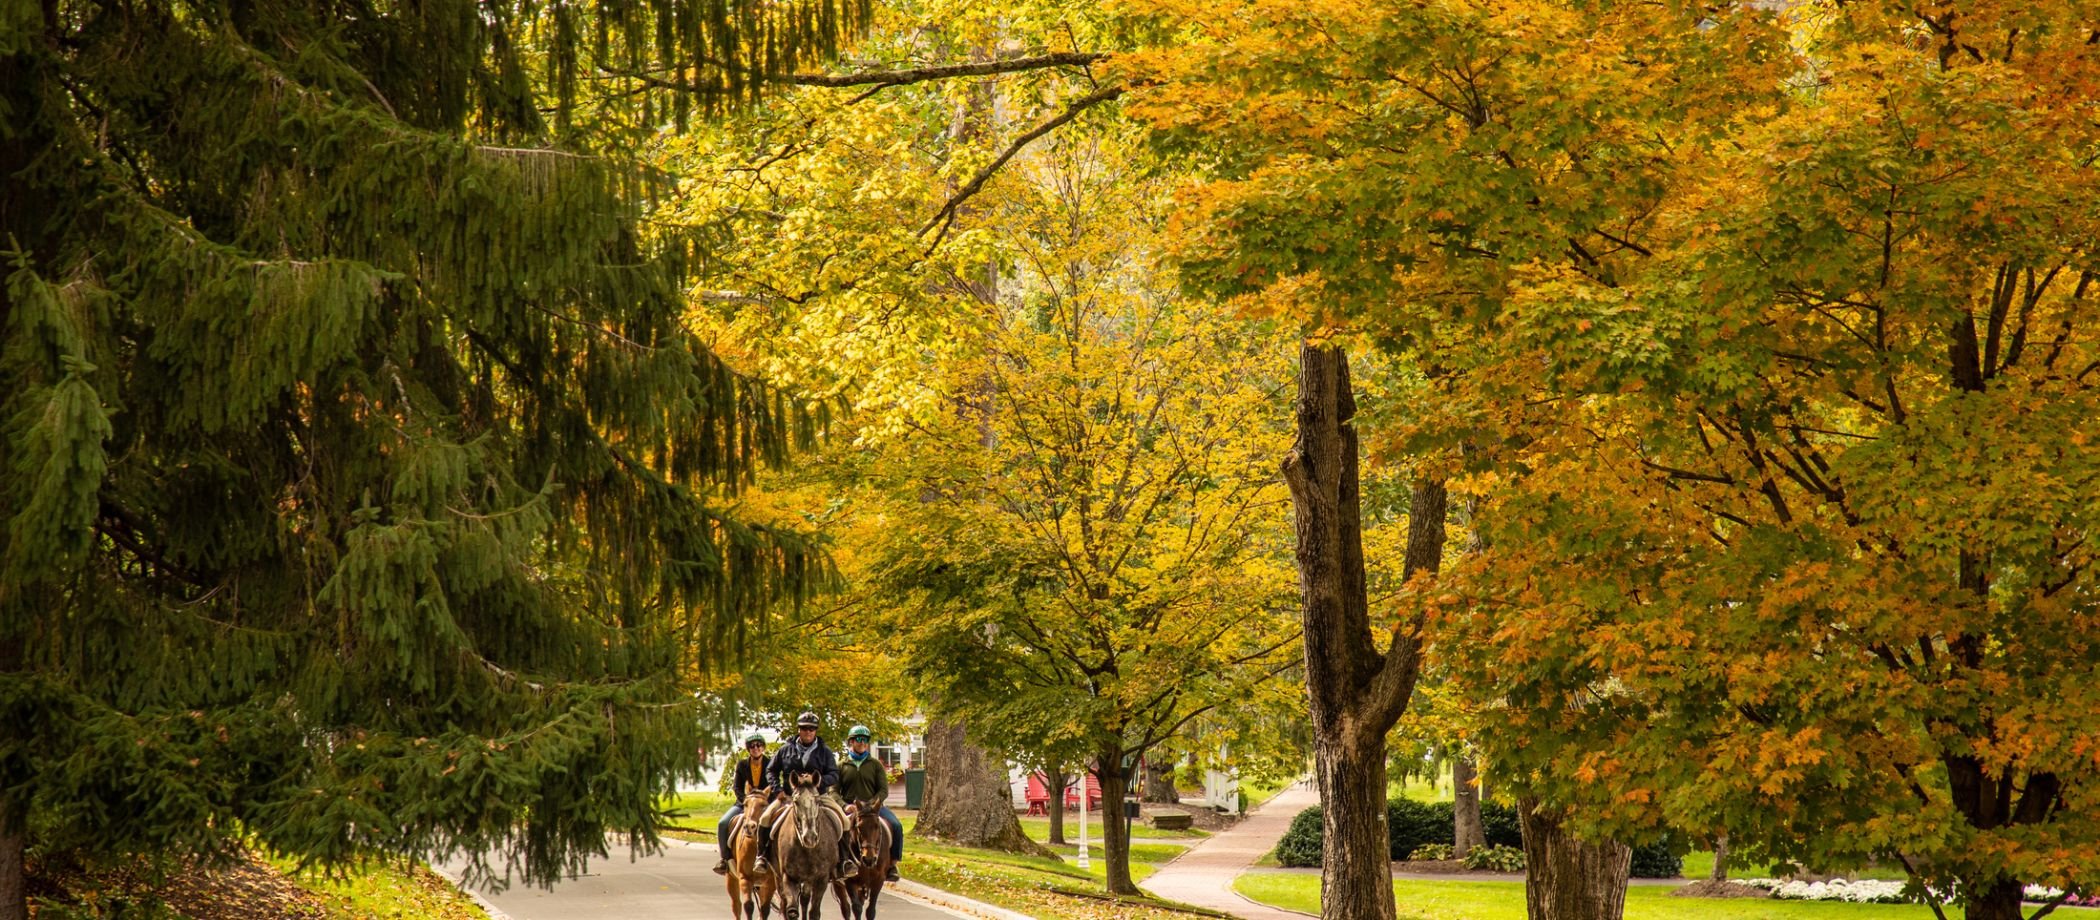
(678, 884)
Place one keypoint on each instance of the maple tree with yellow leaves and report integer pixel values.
(1766, 339)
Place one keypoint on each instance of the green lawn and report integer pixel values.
(1039, 829)
(382, 892)
(1699, 864)
(1505, 901)
(1421, 790)
(1254, 792)
(1053, 888)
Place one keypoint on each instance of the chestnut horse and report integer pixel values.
(750, 896)
(870, 836)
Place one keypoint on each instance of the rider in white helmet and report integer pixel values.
(804, 753)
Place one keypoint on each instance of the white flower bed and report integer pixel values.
(1865, 891)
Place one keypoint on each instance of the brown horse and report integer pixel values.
(750, 896)
(870, 837)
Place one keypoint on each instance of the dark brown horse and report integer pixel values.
(870, 837)
(750, 896)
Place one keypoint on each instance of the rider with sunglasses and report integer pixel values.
(750, 777)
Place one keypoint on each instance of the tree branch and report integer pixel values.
(946, 216)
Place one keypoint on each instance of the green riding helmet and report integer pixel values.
(754, 738)
(859, 733)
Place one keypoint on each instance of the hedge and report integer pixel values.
(1411, 824)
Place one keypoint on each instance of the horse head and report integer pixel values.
(869, 832)
(805, 803)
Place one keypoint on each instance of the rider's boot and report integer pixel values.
(847, 864)
(722, 866)
(891, 876)
(760, 866)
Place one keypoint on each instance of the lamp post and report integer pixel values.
(1083, 865)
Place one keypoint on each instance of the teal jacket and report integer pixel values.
(859, 782)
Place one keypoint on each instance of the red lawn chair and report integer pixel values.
(1038, 794)
(1093, 793)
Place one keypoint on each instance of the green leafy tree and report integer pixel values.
(1091, 529)
(362, 484)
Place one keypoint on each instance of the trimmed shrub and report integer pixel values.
(1410, 824)
(1496, 859)
(1501, 824)
(1300, 845)
(1431, 851)
(1657, 860)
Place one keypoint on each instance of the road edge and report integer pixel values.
(494, 912)
(944, 901)
(953, 903)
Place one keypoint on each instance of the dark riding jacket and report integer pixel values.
(864, 781)
(746, 783)
(793, 758)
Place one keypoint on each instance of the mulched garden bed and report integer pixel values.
(1709, 888)
(1442, 867)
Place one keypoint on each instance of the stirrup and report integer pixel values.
(891, 876)
(722, 868)
(759, 867)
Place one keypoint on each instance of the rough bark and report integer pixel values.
(1355, 691)
(1159, 783)
(2001, 900)
(1467, 828)
(968, 800)
(1720, 872)
(1356, 868)
(1057, 778)
(14, 883)
(1566, 877)
(1115, 834)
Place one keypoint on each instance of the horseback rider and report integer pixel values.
(805, 753)
(863, 778)
(751, 776)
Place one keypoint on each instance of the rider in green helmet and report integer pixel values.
(863, 778)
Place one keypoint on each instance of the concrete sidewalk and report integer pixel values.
(1203, 874)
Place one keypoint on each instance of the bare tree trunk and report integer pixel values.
(1356, 867)
(1115, 835)
(1720, 873)
(968, 801)
(14, 882)
(1056, 777)
(1159, 784)
(1566, 877)
(1467, 828)
(2000, 901)
(1355, 692)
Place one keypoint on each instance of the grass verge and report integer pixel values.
(1040, 887)
(1505, 901)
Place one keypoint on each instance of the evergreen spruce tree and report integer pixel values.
(361, 493)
